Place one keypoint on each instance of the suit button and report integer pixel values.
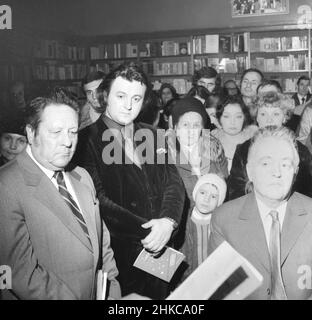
(268, 291)
(133, 204)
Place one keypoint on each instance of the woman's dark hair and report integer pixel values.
(171, 88)
(233, 100)
(200, 91)
(206, 72)
(150, 113)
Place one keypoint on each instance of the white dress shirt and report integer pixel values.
(266, 218)
(50, 174)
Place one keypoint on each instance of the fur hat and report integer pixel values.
(189, 104)
(214, 179)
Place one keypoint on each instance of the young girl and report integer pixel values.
(234, 119)
(208, 194)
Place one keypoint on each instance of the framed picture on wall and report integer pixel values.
(248, 8)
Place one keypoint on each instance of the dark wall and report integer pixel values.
(131, 16)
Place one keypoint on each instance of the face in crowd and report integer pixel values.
(303, 87)
(268, 115)
(232, 119)
(271, 169)
(18, 95)
(250, 83)
(125, 100)
(11, 144)
(188, 128)
(166, 95)
(54, 142)
(208, 83)
(207, 198)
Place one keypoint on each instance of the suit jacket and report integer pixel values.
(238, 178)
(129, 197)
(296, 99)
(41, 240)
(239, 223)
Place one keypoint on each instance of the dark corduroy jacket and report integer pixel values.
(130, 196)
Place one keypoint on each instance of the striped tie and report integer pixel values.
(278, 289)
(58, 175)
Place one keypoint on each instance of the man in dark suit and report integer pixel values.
(301, 98)
(141, 200)
(51, 233)
(271, 227)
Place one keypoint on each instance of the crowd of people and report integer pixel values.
(86, 187)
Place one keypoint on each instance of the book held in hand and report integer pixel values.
(224, 275)
(162, 265)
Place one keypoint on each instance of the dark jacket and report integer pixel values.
(238, 176)
(130, 196)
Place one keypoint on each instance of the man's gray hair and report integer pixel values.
(282, 133)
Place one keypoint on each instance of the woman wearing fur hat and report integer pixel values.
(193, 149)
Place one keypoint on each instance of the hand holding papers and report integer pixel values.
(225, 274)
(162, 265)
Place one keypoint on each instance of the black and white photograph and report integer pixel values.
(157, 151)
(259, 7)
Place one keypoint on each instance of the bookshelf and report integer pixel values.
(281, 55)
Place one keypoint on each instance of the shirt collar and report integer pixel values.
(48, 172)
(264, 210)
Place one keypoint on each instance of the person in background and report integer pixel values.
(250, 80)
(272, 226)
(303, 93)
(211, 108)
(167, 92)
(141, 200)
(208, 194)
(17, 96)
(234, 118)
(269, 86)
(207, 77)
(272, 109)
(13, 139)
(165, 120)
(200, 93)
(93, 107)
(230, 88)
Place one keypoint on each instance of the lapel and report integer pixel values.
(295, 221)
(46, 193)
(253, 228)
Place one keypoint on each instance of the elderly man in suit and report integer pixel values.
(141, 199)
(51, 233)
(270, 227)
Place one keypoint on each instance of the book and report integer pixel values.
(224, 275)
(162, 265)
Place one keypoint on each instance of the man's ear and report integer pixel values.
(30, 134)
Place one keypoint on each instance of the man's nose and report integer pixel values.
(128, 104)
(67, 141)
(13, 144)
(276, 170)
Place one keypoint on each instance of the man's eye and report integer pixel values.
(137, 99)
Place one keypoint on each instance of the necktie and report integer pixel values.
(58, 175)
(278, 290)
(303, 100)
(129, 148)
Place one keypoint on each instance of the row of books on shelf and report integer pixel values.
(53, 49)
(182, 86)
(65, 72)
(279, 44)
(214, 43)
(171, 68)
(236, 65)
(9, 73)
(281, 64)
(114, 51)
